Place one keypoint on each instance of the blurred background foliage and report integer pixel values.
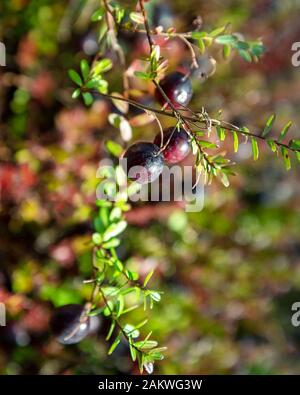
(229, 273)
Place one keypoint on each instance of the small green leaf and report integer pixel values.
(294, 144)
(132, 275)
(272, 145)
(132, 351)
(120, 305)
(115, 344)
(76, 93)
(269, 125)
(235, 142)
(146, 344)
(257, 49)
(297, 155)
(201, 46)
(115, 214)
(216, 32)
(111, 329)
(97, 239)
(125, 311)
(141, 324)
(228, 39)
(224, 179)
(114, 148)
(221, 133)
(113, 243)
(286, 158)
(88, 98)
(136, 17)
(148, 277)
(114, 230)
(226, 51)
(102, 66)
(245, 55)
(284, 131)
(155, 296)
(198, 35)
(254, 148)
(98, 15)
(131, 331)
(75, 77)
(143, 76)
(206, 144)
(108, 309)
(85, 69)
(242, 45)
(119, 265)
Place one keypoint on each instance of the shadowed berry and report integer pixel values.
(69, 325)
(144, 162)
(177, 87)
(177, 148)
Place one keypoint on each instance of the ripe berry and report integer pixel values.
(69, 324)
(144, 162)
(177, 87)
(177, 148)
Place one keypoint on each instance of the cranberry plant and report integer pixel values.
(114, 285)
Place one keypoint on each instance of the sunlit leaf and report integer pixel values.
(286, 158)
(226, 39)
(294, 144)
(269, 125)
(114, 230)
(115, 344)
(284, 131)
(255, 150)
(235, 142)
(97, 15)
(148, 277)
(136, 17)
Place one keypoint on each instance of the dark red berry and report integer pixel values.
(177, 87)
(144, 162)
(177, 148)
(70, 324)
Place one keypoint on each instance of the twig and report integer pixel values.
(110, 21)
(195, 120)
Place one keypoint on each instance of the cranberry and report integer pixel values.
(177, 86)
(69, 324)
(144, 162)
(177, 148)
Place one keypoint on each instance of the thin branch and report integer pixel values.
(195, 120)
(110, 21)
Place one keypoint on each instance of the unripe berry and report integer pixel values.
(144, 162)
(178, 146)
(178, 89)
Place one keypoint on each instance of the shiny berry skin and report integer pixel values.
(148, 159)
(69, 324)
(177, 87)
(178, 147)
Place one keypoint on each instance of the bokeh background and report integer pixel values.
(229, 273)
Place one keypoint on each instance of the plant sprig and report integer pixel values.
(112, 280)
